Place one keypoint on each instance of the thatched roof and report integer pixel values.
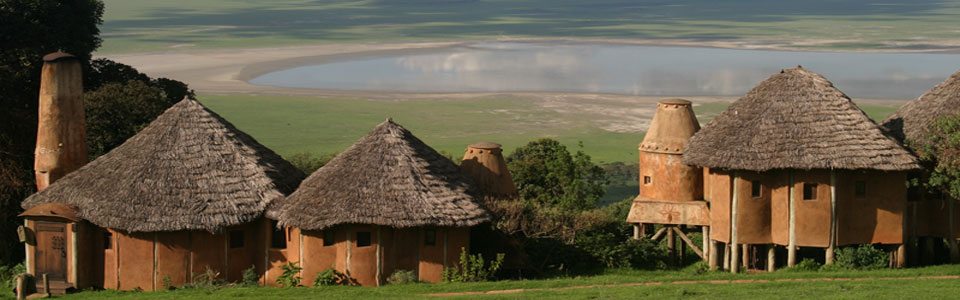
(911, 122)
(795, 120)
(388, 177)
(188, 170)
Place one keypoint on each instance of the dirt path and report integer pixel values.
(685, 282)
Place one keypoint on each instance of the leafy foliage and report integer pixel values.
(290, 276)
(209, 279)
(472, 268)
(863, 257)
(331, 276)
(941, 156)
(607, 244)
(805, 265)
(117, 111)
(546, 173)
(8, 277)
(250, 276)
(403, 277)
(309, 162)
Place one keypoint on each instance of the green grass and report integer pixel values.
(148, 25)
(881, 284)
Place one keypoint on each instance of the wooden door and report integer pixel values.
(51, 250)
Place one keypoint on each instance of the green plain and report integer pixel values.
(152, 26)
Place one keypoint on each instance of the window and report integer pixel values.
(647, 180)
(809, 191)
(107, 240)
(363, 238)
(329, 241)
(430, 237)
(278, 236)
(756, 189)
(236, 239)
(860, 189)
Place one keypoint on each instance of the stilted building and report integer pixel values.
(184, 195)
(671, 192)
(931, 217)
(796, 164)
(387, 203)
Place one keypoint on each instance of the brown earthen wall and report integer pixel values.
(431, 257)
(876, 217)
(719, 205)
(813, 216)
(671, 180)
(316, 256)
(208, 252)
(363, 260)
(276, 258)
(245, 257)
(780, 207)
(406, 249)
(110, 262)
(753, 213)
(136, 260)
(173, 258)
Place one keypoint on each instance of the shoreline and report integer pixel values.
(228, 71)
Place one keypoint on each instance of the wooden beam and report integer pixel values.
(771, 258)
(657, 236)
(671, 246)
(689, 242)
(706, 241)
(734, 247)
(726, 256)
(792, 244)
(831, 248)
(712, 261)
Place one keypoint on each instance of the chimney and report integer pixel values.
(61, 133)
(662, 174)
(484, 163)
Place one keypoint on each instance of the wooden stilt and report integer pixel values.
(712, 260)
(833, 218)
(637, 231)
(746, 256)
(705, 240)
(686, 240)
(792, 244)
(671, 247)
(771, 258)
(901, 256)
(726, 256)
(21, 287)
(660, 233)
(734, 246)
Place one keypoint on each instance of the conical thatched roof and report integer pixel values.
(795, 120)
(188, 170)
(911, 122)
(388, 177)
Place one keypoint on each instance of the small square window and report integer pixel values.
(430, 237)
(647, 180)
(756, 189)
(107, 240)
(363, 238)
(809, 191)
(328, 239)
(236, 239)
(860, 189)
(278, 236)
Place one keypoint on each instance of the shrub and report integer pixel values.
(472, 268)
(805, 265)
(8, 277)
(250, 276)
(863, 257)
(333, 277)
(290, 276)
(609, 244)
(697, 268)
(208, 279)
(402, 277)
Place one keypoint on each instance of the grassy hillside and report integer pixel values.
(320, 125)
(149, 25)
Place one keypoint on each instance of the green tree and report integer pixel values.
(117, 111)
(546, 173)
(941, 156)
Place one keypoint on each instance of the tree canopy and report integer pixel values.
(547, 173)
(941, 156)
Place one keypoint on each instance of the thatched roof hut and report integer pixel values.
(188, 170)
(795, 119)
(389, 178)
(911, 122)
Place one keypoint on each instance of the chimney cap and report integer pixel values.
(485, 145)
(55, 56)
(675, 101)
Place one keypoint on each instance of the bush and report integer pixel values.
(697, 268)
(308, 162)
(402, 277)
(250, 276)
(290, 276)
(333, 277)
(206, 280)
(8, 278)
(472, 268)
(805, 265)
(609, 244)
(863, 257)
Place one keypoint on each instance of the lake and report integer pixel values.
(617, 69)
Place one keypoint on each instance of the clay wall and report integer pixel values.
(753, 213)
(669, 178)
(876, 217)
(719, 205)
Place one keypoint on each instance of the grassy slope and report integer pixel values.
(292, 124)
(879, 283)
(149, 25)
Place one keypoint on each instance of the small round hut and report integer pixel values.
(796, 163)
(931, 216)
(387, 203)
(183, 196)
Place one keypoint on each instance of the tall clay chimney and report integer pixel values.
(663, 176)
(61, 133)
(485, 164)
